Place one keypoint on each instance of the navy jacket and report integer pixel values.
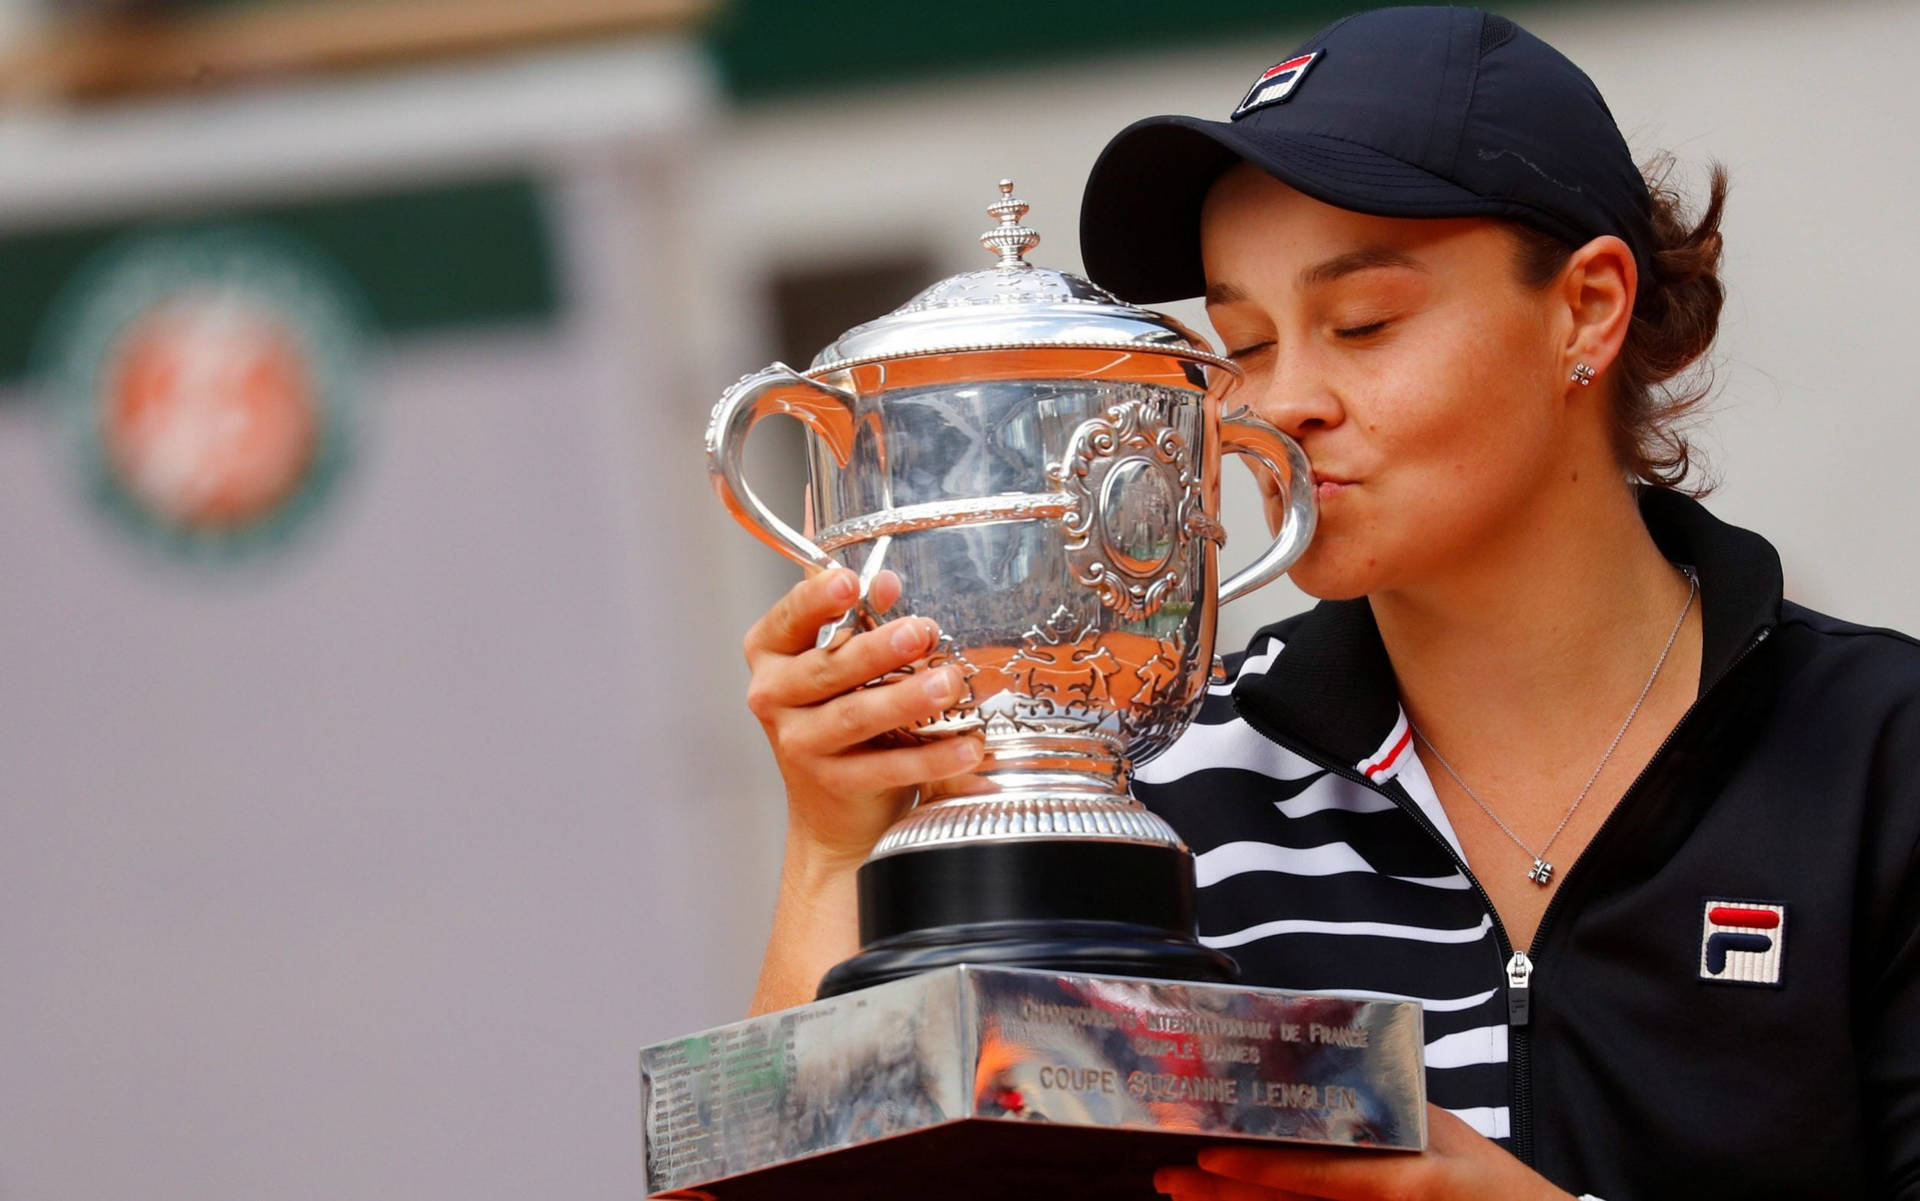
(1725, 997)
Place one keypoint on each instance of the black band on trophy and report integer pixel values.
(1106, 908)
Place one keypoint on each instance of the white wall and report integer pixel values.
(363, 871)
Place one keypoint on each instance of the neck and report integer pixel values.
(1542, 636)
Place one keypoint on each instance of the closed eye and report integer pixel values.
(1249, 351)
(1360, 331)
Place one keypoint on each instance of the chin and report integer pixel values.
(1334, 567)
(1328, 572)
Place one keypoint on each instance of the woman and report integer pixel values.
(1553, 756)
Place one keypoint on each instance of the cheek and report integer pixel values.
(1459, 432)
(1470, 406)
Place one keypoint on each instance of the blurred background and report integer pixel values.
(374, 775)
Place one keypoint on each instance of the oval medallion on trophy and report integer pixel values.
(1136, 505)
(1138, 515)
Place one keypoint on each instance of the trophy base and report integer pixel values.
(1068, 905)
(966, 1161)
(974, 1082)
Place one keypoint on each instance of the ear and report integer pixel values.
(1598, 286)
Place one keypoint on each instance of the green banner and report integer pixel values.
(425, 259)
(770, 48)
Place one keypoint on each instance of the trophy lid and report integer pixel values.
(1013, 305)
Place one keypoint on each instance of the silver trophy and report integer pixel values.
(1040, 463)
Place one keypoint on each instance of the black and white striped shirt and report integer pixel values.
(1317, 881)
(1326, 863)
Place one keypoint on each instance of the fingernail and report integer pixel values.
(844, 586)
(971, 751)
(941, 685)
(909, 638)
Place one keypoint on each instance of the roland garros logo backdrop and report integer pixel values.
(206, 383)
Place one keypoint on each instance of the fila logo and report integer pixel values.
(1742, 942)
(1276, 83)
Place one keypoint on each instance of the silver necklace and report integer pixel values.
(1541, 872)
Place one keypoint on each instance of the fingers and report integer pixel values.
(1458, 1162)
(819, 674)
(789, 672)
(853, 717)
(1192, 1184)
(822, 674)
(795, 619)
(903, 767)
(791, 625)
(1344, 1176)
(884, 592)
(1313, 1173)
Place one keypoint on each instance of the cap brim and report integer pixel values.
(1140, 214)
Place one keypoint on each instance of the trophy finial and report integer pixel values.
(1009, 239)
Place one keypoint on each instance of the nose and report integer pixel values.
(1292, 395)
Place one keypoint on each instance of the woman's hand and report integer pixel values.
(843, 788)
(1458, 1163)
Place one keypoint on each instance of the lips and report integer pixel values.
(1328, 484)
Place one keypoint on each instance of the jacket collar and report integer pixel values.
(1331, 689)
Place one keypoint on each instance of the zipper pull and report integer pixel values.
(1519, 1000)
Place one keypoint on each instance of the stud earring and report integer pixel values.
(1582, 375)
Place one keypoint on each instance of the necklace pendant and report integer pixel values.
(1541, 872)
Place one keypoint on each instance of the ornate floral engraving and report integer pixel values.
(1163, 704)
(1137, 505)
(1061, 665)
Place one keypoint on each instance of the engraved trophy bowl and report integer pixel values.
(1039, 462)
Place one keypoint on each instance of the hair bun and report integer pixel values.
(1675, 318)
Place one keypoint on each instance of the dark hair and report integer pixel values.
(1675, 317)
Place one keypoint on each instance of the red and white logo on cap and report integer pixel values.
(1276, 83)
(1743, 942)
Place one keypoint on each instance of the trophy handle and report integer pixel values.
(1242, 433)
(774, 390)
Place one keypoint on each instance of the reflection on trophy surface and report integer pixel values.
(1039, 463)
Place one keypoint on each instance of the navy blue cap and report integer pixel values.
(1397, 112)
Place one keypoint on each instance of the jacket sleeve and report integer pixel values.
(1890, 1019)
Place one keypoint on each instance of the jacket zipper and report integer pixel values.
(1519, 965)
(1519, 1037)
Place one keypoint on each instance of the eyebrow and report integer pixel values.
(1366, 258)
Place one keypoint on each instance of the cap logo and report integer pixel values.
(1743, 942)
(1276, 83)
